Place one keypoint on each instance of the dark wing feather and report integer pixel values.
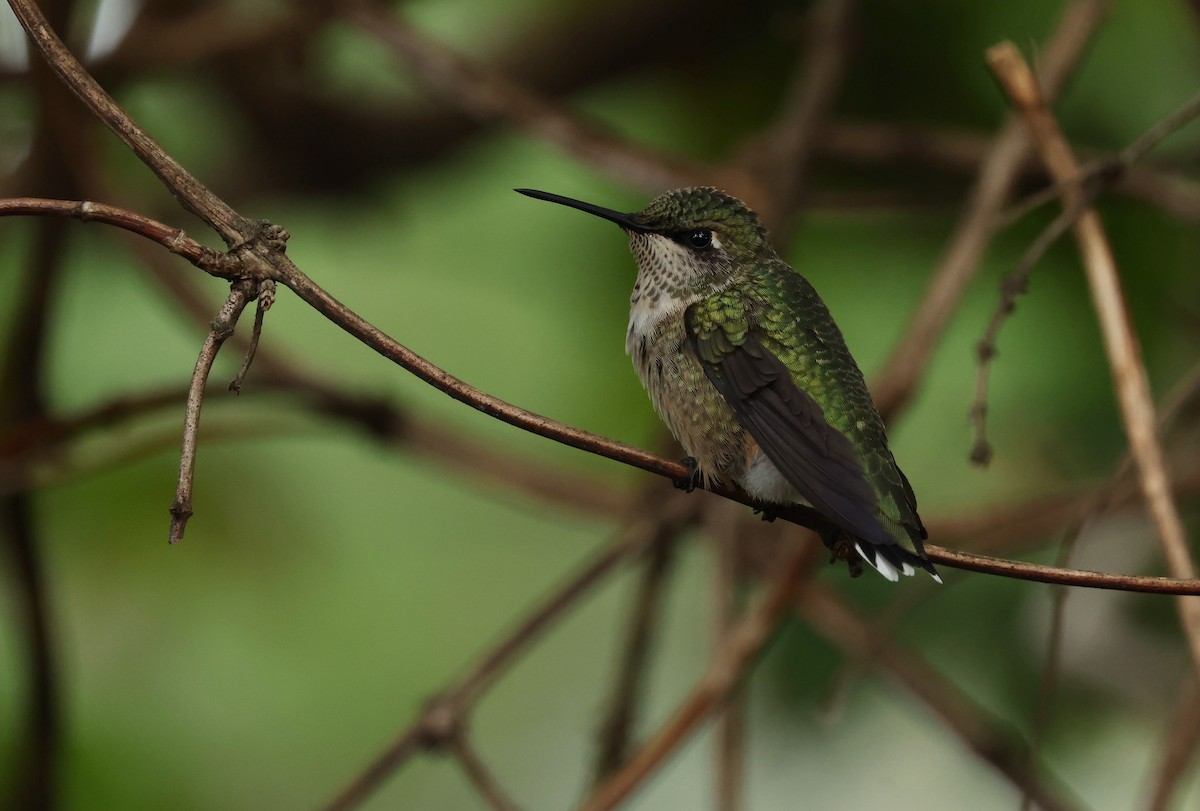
(790, 427)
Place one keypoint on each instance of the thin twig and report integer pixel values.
(1086, 186)
(190, 192)
(479, 774)
(34, 783)
(905, 366)
(1014, 284)
(992, 741)
(25, 445)
(721, 522)
(1100, 175)
(1151, 138)
(724, 671)
(23, 396)
(279, 267)
(884, 626)
(447, 711)
(488, 94)
(203, 35)
(265, 298)
(526, 419)
(996, 528)
(354, 324)
(620, 720)
(1067, 577)
(1182, 395)
(1120, 343)
(399, 427)
(1048, 685)
(1179, 747)
(261, 259)
(240, 294)
(1174, 194)
(1015, 528)
(781, 155)
(173, 239)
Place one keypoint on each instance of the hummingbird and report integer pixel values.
(745, 365)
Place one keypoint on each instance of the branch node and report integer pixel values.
(981, 452)
(273, 237)
(181, 511)
(441, 723)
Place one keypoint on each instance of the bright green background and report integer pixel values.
(327, 586)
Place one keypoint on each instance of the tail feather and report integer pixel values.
(891, 561)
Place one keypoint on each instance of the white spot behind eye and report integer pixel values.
(716, 242)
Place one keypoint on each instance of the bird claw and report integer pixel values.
(692, 480)
(840, 548)
(767, 514)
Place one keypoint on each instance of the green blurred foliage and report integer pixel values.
(327, 586)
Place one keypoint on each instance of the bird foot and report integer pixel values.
(767, 514)
(840, 548)
(692, 480)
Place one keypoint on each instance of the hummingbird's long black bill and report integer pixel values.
(624, 220)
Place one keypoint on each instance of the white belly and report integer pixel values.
(764, 481)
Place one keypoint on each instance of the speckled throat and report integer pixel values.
(692, 409)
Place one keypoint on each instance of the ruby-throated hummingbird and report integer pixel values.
(745, 365)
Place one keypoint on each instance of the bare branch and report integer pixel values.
(958, 151)
(780, 156)
(995, 744)
(1153, 136)
(721, 523)
(398, 426)
(724, 672)
(207, 32)
(26, 445)
(1184, 393)
(618, 726)
(1014, 284)
(1065, 577)
(445, 713)
(985, 529)
(1120, 343)
(173, 239)
(190, 192)
(265, 298)
(906, 364)
(1086, 186)
(1179, 749)
(222, 327)
(257, 266)
(488, 94)
(260, 255)
(542, 426)
(35, 779)
(478, 773)
(1100, 174)
(283, 270)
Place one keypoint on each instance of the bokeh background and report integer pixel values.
(331, 581)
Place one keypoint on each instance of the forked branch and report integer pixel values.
(1120, 342)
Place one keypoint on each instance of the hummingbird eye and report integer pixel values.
(700, 239)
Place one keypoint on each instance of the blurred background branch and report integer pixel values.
(381, 137)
